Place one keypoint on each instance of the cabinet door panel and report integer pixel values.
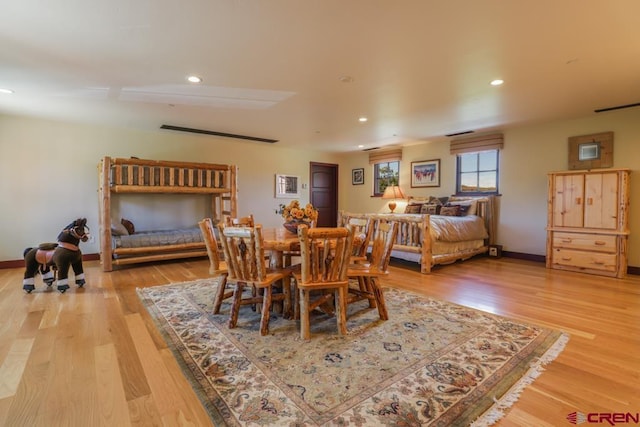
(601, 200)
(569, 201)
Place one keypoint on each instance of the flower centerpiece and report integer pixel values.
(294, 215)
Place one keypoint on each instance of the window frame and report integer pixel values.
(477, 171)
(376, 178)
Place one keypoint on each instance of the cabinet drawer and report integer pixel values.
(582, 259)
(587, 242)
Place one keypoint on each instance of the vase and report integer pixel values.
(292, 226)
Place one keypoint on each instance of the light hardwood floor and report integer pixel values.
(92, 356)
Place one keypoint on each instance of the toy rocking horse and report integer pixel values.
(50, 259)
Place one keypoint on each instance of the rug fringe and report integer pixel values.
(497, 410)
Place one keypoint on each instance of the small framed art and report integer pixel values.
(287, 186)
(357, 176)
(425, 173)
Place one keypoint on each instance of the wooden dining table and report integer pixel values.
(280, 241)
(278, 238)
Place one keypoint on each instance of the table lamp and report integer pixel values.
(393, 192)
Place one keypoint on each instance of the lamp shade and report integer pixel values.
(393, 192)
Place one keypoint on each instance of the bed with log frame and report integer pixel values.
(433, 239)
(131, 176)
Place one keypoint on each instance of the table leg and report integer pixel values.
(286, 289)
(276, 262)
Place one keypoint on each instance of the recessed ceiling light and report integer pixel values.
(360, 146)
(5, 90)
(194, 79)
(363, 119)
(497, 82)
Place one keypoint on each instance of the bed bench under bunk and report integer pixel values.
(131, 176)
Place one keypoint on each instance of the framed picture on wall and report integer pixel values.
(591, 151)
(287, 186)
(357, 176)
(425, 173)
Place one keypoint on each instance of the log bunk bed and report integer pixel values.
(431, 239)
(120, 176)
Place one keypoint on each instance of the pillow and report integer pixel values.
(431, 209)
(467, 207)
(462, 209)
(453, 210)
(435, 201)
(128, 225)
(119, 230)
(413, 208)
(443, 200)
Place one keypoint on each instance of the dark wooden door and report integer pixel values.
(323, 193)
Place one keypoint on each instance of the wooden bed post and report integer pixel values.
(105, 214)
(426, 262)
(233, 177)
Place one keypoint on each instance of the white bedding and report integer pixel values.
(457, 228)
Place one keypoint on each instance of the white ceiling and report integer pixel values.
(420, 69)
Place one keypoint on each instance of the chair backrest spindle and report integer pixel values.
(384, 238)
(362, 231)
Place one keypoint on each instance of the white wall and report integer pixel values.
(530, 152)
(48, 177)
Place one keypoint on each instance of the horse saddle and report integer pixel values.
(44, 254)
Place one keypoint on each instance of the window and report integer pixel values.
(386, 169)
(477, 173)
(385, 174)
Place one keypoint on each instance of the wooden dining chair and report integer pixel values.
(322, 276)
(362, 231)
(217, 267)
(244, 253)
(368, 274)
(242, 221)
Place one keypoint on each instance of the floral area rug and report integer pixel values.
(432, 363)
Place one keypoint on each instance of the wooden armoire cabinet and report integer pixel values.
(587, 221)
